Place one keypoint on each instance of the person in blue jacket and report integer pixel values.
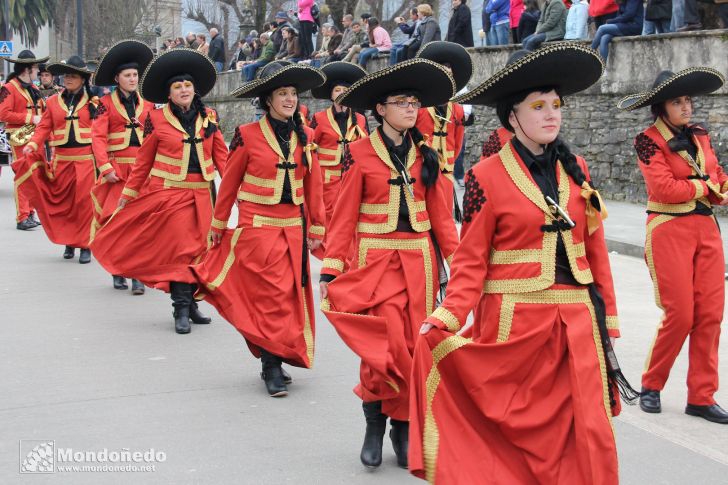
(499, 11)
(627, 22)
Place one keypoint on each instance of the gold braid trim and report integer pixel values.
(214, 284)
(130, 193)
(218, 224)
(332, 263)
(445, 316)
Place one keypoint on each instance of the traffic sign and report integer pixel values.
(6, 48)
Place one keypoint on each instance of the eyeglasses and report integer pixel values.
(181, 84)
(404, 104)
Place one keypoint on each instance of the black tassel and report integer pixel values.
(457, 213)
(628, 394)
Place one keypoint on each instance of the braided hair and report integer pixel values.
(503, 109)
(87, 87)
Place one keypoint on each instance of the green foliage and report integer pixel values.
(27, 17)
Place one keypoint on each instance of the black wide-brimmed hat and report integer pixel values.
(27, 57)
(125, 54)
(444, 52)
(173, 63)
(432, 83)
(42, 68)
(693, 81)
(338, 73)
(569, 67)
(72, 65)
(276, 75)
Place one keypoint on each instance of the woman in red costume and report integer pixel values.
(160, 230)
(336, 127)
(21, 104)
(443, 124)
(116, 132)
(529, 399)
(62, 189)
(257, 275)
(393, 210)
(684, 250)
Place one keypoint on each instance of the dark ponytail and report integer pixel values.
(92, 108)
(568, 161)
(199, 106)
(430, 160)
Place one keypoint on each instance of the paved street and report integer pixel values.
(92, 368)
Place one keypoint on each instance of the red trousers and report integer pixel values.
(685, 258)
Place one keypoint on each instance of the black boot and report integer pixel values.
(399, 434)
(69, 252)
(196, 316)
(273, 374)
(137, 288)
(286, 376)
(84, 257)
(650, 401)
(371, 450)
(181, 294)
(119, 282)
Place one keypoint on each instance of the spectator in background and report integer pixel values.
(517, 9)
(460, 28)
(281, 21)
(576, 21)
(360, 39)
(499, 11)
(191, 41)
(691, 17)
(179, 43)
(347, 39)
(216, 51)
(306, 22)
(723, 11)
(291, 49)
(485, 19)
(658, 14)
(408, 28)
(202, 46)
(551, 26)
(628, 22)
(529, 19)
(379, 42)
(239, 57)
(427, 31)
(266, 55)
(602, 10)
(678, 14)
(364, 19)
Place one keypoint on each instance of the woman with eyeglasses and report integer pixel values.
(684, 249)
(392, 210)
(157, 232)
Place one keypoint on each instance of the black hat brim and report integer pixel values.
(444, 52)
(568, 67)
(123, 52)
(60, 69)
(28, 60)
(336, 73)
(434, 85)
(177, 62)
(695, 81)
(303, 78)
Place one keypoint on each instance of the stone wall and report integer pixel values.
(594, 127)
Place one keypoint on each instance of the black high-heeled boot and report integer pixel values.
(399, 434)
(137, 288)
(196, 316)
(119, 282)
(272, 374)
(181, 295)
(84, 256)
(69, 252)
(371, 450)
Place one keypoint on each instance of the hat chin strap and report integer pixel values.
(401, 133)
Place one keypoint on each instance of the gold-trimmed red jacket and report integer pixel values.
(55, 125)
(446, 136)
(504, 248)
(255, 174)
(370, 203)
(17, 107)
(673, 186)
(111, 131)
(165, 152)
(330, 141)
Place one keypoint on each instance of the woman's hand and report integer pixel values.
(27, 150)
(426, 327)
(313, 244)
(111, 177)
(122, 203)
(724, 201)
(215, 237)
(324, 288)
(613, 341)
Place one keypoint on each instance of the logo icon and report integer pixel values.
(37, 456)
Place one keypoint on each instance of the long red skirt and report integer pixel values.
(331, 185)
(23, 208)
(526, 403)
(61, 193)
(105, 196)
(254, 279)
(377, 308)
(156, 236)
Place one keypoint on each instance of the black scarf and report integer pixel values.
(187, 119)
